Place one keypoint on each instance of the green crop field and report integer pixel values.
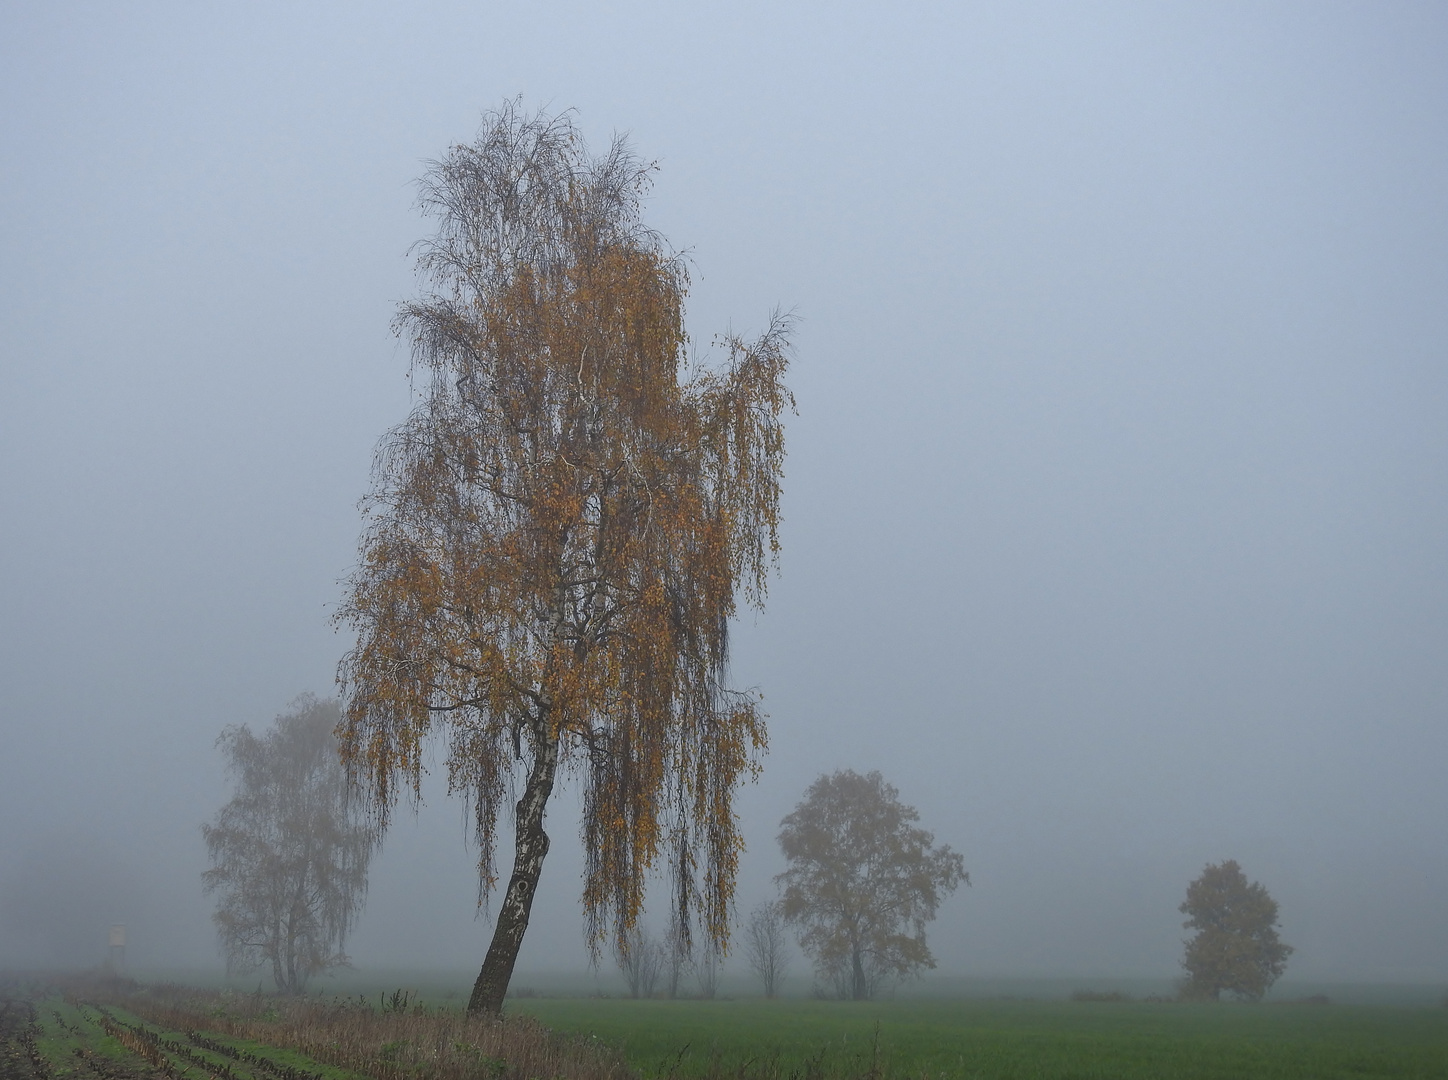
(115, 1031)
(1035, 1039)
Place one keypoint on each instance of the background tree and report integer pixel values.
(641, 959)
(766, 947)
(706, 972)
(558, 534)
(678, 956)
(1235, 947)
(862, 882)
(289, 854)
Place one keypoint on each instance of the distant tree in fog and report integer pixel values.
(641, 959)
(706, 973)
(766, 946)
(862, 882)
(1235, 948)
(678, 955)
(289, 854)
(560, 534)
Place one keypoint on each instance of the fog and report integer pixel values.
(1116, 512)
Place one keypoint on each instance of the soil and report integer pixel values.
(18, 1059)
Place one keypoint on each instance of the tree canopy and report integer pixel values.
(560, 533)
(289, 853)
(1235, 948)
(863, 880)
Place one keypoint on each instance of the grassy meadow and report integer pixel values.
(1016, 1039)
(119, 1030)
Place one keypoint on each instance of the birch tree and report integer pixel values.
(289, 852)
(560, 534)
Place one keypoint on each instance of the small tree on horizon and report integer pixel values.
(863, 880)
(289, 852)
(1235, 948)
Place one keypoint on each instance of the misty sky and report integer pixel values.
(1116, 516)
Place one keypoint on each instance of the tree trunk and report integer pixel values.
(278, 971)
(530, 847)
(858, 989)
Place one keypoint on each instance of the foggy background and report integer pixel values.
(1116, 511)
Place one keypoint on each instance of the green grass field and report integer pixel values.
(175, 1033)
(1016, 1039)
